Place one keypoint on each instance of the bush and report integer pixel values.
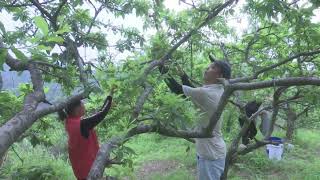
(37, 163)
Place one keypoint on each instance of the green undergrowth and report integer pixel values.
(302, 162)
(157, 158)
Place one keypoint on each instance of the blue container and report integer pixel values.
(275, 140)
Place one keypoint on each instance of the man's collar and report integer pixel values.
(213, 85)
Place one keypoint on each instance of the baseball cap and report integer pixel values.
(223, 65)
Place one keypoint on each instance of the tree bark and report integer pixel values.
(291, 119)
(1, 82)
(229, 123)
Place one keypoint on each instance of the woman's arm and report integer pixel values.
(90, 122)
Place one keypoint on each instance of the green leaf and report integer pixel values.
(56, 39)
(34, 140)
(3, 56)
(65, 28)
(2, 28)
(35, 39)
(20, 55)
(43, 47)
(42, 25)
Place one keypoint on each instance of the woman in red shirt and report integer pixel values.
(83, 144)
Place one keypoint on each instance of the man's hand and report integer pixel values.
(179, 71)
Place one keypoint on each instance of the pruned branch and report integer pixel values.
(17, 125)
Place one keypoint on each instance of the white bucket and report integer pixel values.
(275, 152)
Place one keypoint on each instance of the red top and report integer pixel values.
(82, 151)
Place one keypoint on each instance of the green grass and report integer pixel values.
(159, 157)
(303, 162)
(150, 147)
(37, 164)
(300, 163)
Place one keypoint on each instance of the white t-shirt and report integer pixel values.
(207, 99)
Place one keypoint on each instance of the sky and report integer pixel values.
(239, 23)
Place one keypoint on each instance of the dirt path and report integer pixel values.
(157, 166)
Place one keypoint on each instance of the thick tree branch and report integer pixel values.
(16, 126)
(60, 105)
(13, 63)
(252, 147)
(42, 63)
(222, 103)
(12, 129)
(256, 74)
(103, 155)
(291, 81)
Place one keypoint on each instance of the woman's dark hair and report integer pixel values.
(64, 113)
(252, 107)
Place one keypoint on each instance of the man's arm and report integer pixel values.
(90, 122)
(173, 85)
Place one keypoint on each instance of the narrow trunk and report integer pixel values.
(1, 82)
(291, 119)
(229, 123)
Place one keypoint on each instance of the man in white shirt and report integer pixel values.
(211, 152)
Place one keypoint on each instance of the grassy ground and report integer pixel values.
(161, 158)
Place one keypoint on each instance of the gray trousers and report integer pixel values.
(210, 169)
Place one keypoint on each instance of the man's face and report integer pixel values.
(212, 73)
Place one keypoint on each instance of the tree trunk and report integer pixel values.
(12, 129)
(291, 119)
(1, 82)
(229, 123)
